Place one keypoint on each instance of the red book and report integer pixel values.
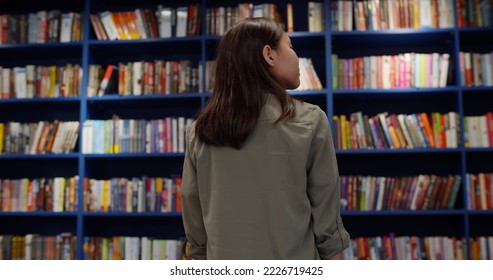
(109, 84)
(178, 195)
(489, 125)
(488, 190)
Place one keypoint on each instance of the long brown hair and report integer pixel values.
(241, 82)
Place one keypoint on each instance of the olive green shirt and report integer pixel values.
(276, 198)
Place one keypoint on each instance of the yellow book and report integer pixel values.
(423, 64)
(105, 248)
(106, 195)
(71, 194)
(52, 72)
(343, 132)
(116, 248)
(395, 140)
(416, 10)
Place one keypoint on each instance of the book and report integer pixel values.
(109, 83)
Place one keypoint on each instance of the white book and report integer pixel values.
(450, 130)
(109, 25)
(66, 29)
(128, 248)
(87, 135)
(148, 137)
(30, 81)
(311, 17)
(28, 252)
(137, 77)
(144, 249)
(165, 17)
(472, 130)
(435, 70)
(373, 72)
(171, 250)
(57, 142)
(20, 82)
(37, 135)
(443, 74)
(483, 127)
(140, 24)
(425, 13)
(304, 80)
(182, 20)
(490, 245)
(220, 20)
(157, 248)
(386, 71)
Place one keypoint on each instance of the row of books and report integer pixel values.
(309, 79)
(43, 194)
(478, 130)
(131, 248)
(391, 71)
(220, 19)
(40, 81)
(384, 131)
(134, 136)
(474, 13)
(476, 69)
(41, 27)
(165, 22)
(38, 247)
(144, 78)
(391, 247)
(38, 138)
(422, 192)
(133, 195)
(365, 15)
(480, 188)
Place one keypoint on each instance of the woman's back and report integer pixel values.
(254, 201)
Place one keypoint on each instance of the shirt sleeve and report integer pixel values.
(193, 222)
(323, 190)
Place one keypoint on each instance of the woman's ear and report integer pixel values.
(269, 55)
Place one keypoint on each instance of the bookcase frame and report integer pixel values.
(460, 222)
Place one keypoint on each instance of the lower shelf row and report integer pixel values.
(391, 247)
(387, 247)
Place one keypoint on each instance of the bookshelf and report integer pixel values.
(461, 221)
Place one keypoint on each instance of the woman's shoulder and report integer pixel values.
(190, 131)
(306, 111)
